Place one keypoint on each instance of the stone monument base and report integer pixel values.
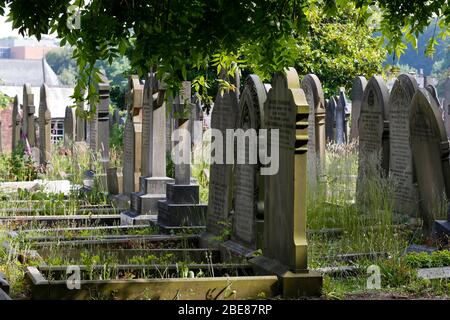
(130, 218)
(120, 201)
(231, 251)
(181, 215)
(307, 283)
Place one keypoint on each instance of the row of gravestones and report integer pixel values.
(236, 192)
(76, 129)
(402, 136)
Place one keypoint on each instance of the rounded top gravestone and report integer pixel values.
(373, 158)
(358, 87)
(316, 135)
(401, 170)
(430, 150)
(249, 186)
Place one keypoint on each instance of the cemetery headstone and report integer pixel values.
(69, 126)
(28, 129)
(330, 120)
(401, 164)
(223, 117)
(430, 150)
(285, 242)
(15, 120)
(153, 165)
(45, 127)
(80, 126)
(446, 105)
(340, 118)
(359, 85)
(373, 158)
(316, 130)
(182, 208)
(129, 156)
(247, 222)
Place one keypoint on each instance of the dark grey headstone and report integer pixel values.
(330, 120)
(359, 84)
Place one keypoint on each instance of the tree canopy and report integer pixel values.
(179, 36)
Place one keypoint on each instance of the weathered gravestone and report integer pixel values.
(330, 120)
(28, 108)
(15, 121)
(446, 106)
(359, 85)
(247, 222)
(430, 151)
(153, 153)
(433, 91)
(401, 164)
(373, 158)
(69, 126)
(80, 125)
(316, 130)
(285, 243)
(341, 123)
(182, 207)
(128, 156)
(223, 117)
(134, 106)
(45, 127)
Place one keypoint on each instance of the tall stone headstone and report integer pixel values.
(330, 120)
(316, 130)
(446, 106)
(69, 126)
(373, 158)
(359, 85)
(80, 126)
(340, 118)
(223, 117)
(129, 156)
(430, 150)
(28, 129)
(103, 120)
(134, 107)
(401, 164)
(45, 127)
(285, 243)
(182, 208)
(153, 156)
(16, 126)
(247, 225)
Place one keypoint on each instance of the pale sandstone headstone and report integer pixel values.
(373, 159)
(316, 130)
(401, 164)
(430, 151)
(359, 85)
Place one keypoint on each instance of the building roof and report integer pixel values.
(58, 98)
(36, 72)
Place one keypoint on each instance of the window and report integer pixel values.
(57, 132)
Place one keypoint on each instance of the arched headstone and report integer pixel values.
(248, 183)
(69, 126)
(373, 158)
(430, 151)
(316, 130)
(223, 117)
(401, 164)
(359, 84)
